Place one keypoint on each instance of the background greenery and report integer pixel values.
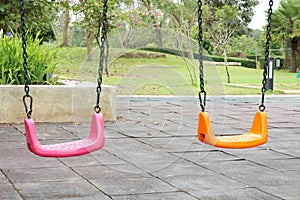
(163, 26)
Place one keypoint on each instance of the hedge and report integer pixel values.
(262, 61)
(245, 62)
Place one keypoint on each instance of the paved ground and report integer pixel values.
(152, 152)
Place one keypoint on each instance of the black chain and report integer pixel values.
(25, 64)
(267, 53)
(102, 48)
(200, 43)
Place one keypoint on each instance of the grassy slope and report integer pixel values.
(165, 76)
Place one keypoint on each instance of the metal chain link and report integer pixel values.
(267, 53)
(102, 55)
(200, 43)
(28, 110)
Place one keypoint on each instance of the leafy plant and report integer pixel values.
(41, 61)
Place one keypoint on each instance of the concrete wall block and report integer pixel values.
(57, 103)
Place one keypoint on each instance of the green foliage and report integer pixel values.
(242, 44)
(78, 38)
(41, 61)
(92, 11)
(221, 24)
(286, 27)
(286, 20)
(39, 15)
(246, 8)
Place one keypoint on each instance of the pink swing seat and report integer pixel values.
(93, 142)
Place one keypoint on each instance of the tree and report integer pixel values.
(221, 27)
(39, 16)
(245, 8)
(286, 27)
(179, 15)
(129, 17)
(90, 14)
(182, 16)
(242, 46)
(66, 5)
(156, 16)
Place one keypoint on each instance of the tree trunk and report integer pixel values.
(89, 45)
(120, 39)
(285, 56)
(293, 66)
(65, 28)
(126, 42)
(226, 65)
(159, 36)
(148, 6)
(5, 27)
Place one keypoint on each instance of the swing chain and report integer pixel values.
(101, 62)
(202, 101)
(28, 111)
(25, 63)
(267, 53)
(200, 43)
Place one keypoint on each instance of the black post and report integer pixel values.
(278, 67)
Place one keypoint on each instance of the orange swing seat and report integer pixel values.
(257, 135)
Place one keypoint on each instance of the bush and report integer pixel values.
(245, 62)
(41, 61)
(252, 57)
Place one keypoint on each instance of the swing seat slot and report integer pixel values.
(93, 142)
(257, 135)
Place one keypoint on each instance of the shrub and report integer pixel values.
(41, 61)
(252, 57)
(245, 62)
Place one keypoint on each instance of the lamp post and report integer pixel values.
(270, 74)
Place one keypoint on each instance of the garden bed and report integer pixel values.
(143, 55)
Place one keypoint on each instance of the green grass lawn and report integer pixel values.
(167, 76)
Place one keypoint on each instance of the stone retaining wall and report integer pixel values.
(57, 103)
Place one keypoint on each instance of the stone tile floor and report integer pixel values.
(152, 152)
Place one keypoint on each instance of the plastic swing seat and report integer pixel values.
(257, 135)
(93, 142)
(95, 139)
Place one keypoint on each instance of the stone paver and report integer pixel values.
(60, 190)
(162, 196)
(234, 194)
(152, 152)
(125, 186)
